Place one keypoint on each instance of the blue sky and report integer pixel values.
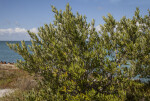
(18, 16)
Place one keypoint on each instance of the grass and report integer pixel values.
(12, 78)
(15, 78)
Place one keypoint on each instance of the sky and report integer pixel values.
(18, 16)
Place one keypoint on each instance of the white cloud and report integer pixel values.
(15, 33)
(3, 31)
(20, 30)
(35, 30)
(16, 30)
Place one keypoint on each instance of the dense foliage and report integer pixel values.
(77, 62)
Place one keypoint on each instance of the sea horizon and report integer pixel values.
(8, 55)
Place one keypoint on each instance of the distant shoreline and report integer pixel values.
(4, 62)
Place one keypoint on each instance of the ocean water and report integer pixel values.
(8, 55)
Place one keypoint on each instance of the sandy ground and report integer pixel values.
(4, 92)
(7, 66)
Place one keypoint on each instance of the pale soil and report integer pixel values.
(4, 92)
(7, 66)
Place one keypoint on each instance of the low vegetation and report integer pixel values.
(18, 80)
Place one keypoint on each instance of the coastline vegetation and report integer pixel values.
(71, 57)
